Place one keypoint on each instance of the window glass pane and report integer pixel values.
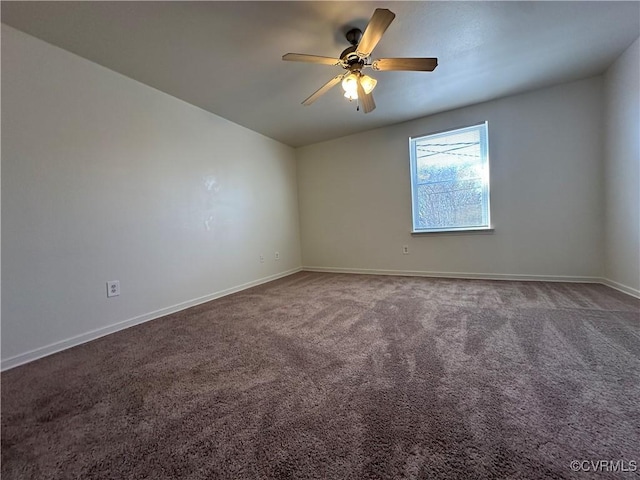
(450, 180)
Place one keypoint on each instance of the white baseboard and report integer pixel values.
(37, 353)
(620, 287)
(463, 275)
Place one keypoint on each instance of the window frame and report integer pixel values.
(486, 187)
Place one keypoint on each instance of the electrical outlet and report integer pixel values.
(405, 249)
(277, 255)
(113, 288)
(261, 258)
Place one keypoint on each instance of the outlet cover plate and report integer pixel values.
(113, 288)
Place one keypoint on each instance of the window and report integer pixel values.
(450, 180)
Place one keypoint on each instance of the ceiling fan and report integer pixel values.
(355, 58)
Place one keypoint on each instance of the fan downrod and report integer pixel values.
(354, 36)
(349, 55)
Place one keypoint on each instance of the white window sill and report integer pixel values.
(465, 231)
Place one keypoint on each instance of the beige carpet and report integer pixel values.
(331, 376)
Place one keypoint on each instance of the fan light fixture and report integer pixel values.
(350, 85)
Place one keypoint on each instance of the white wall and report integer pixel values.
(104, 178)
(622, 171)
(546, 193)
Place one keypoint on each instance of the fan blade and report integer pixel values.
(301, 57)
(368, 105)
(376, 27)
(323, 89)
(407, 64)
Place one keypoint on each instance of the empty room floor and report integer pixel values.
(336, 376)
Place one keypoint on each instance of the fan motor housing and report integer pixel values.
(349, 54)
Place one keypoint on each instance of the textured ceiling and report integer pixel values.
(225, 57)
